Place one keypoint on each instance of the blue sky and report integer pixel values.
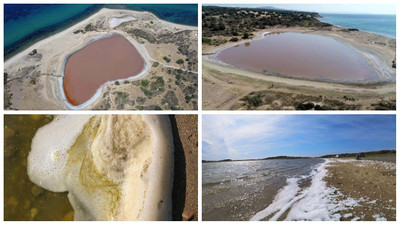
(259, 136)
(329, 8)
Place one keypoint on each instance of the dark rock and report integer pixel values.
(32, 53)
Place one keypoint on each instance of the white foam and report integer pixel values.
(48, 155)
(134, 152)
(347, 215)
(378, 217)
(114, 22)
(317, 202)
(282, 201)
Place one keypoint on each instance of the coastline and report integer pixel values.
(53, 56)
(338, 191)
(81, 23)
(35, 37)
(354, 27)
(26, 42)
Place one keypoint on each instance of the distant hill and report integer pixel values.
(268, 158)
(372, 153)
(344, 155)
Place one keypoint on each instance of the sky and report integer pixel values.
(330, 8)
(260, 136)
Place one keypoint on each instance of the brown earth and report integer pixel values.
(373, 181)
(185, 190)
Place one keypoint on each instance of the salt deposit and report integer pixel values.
(114, 22)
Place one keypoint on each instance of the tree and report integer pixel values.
(234, 39)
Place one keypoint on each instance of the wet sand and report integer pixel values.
(300, 55)
(185, 191)
(372, 181)
(103, 60)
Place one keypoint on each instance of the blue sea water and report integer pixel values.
(28, 23)
(380, 24)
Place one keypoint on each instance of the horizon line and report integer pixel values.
(249, 159)
(282, 9)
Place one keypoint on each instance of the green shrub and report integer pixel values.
(145, 83)
(167, 59)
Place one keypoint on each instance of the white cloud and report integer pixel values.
(232, 136)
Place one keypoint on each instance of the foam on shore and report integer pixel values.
(316, 202)
(114, 167)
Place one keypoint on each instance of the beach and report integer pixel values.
(238, 86)
(37, 71)
(372, 183)
(301, 189)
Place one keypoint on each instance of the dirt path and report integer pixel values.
(224, 86)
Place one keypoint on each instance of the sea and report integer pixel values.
(25, 24)
(380, 24)
(238, 190)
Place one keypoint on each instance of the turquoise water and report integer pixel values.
(380, 24)
(38, 18)
(25, 24)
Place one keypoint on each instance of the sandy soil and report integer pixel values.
(233, 85)
(34, 76)
(372, 181)
(185, 191)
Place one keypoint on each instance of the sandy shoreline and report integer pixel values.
(81, 23)
(234, 85)
(369, 52)
(337, 190)
(44, 60)
(371, 183)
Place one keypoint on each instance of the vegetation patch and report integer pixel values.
(170, 99)
(142, 34)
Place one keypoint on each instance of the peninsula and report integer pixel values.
(115, 59)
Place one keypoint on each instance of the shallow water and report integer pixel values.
(300, 55)
(25, 24)
(23, 200)
(238, 190)
(380, 24)
(106, 59)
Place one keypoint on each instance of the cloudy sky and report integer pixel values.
(259, 136)
(329, 8)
